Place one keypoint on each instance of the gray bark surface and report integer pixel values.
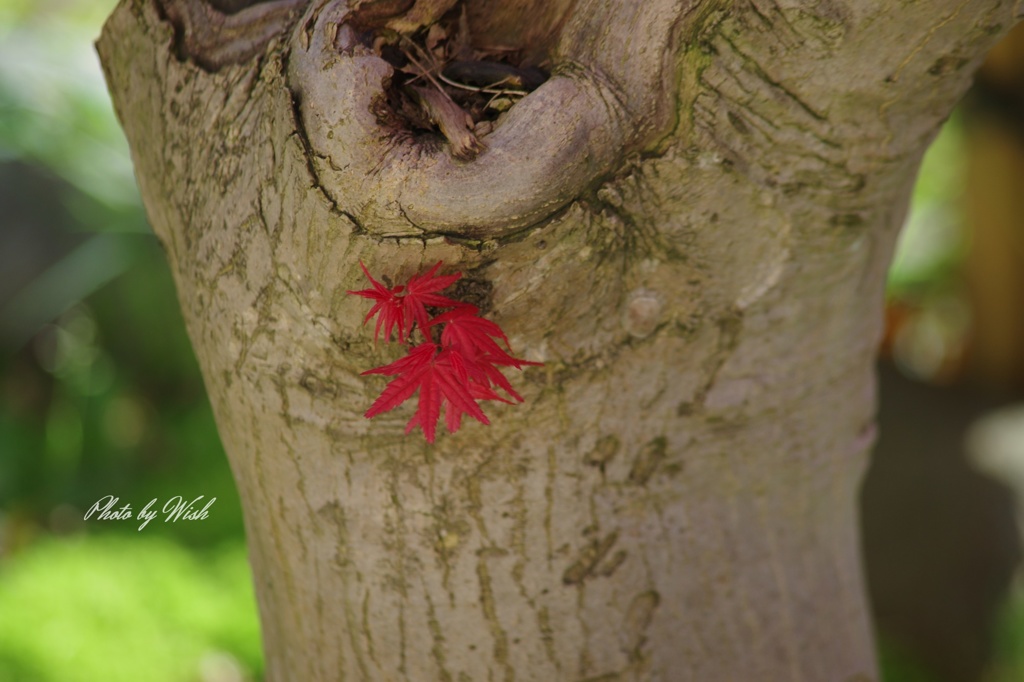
(689, 224)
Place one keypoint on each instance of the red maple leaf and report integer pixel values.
(400, 306)
(474, 338)
(480, 391)
(421, 291)
(388, 304)
(440, 378)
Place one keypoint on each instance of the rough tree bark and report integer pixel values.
(689, 224)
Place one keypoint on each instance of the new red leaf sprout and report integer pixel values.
(452, 372)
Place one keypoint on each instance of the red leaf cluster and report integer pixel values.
(451, 374)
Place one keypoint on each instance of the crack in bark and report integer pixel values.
(489, 606)
(730, 326)
(895, 75)
(647, 461)
(308, 154)
(588, 559)
(437, 651)
(780, 87)
(762, 114)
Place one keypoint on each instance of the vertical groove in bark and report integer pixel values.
(676, 499)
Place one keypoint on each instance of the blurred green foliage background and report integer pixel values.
(100, 393)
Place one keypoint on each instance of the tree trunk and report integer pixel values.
(689, 224)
